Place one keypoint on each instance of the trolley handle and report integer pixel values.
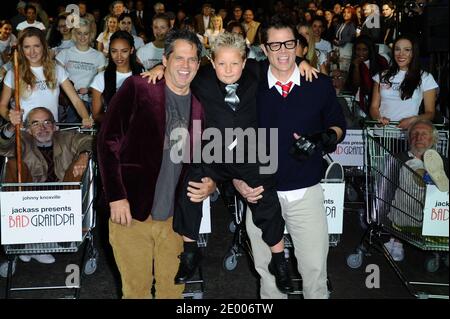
(372, 123)
(75, 126)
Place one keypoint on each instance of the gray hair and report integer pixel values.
(434, 131)
(37, 109)
(229, 40)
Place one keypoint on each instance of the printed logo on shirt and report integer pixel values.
(79, 65)
(41, 85)
(394, 86)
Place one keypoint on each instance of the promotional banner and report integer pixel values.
(334, 206)
(40, 216)
(350, 152)
(435, 213)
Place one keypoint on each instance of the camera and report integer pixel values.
(410, 4)
(303, 148)
(411, 8)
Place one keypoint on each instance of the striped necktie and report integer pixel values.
(285, 88)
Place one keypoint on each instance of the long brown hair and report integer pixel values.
(413, 77)
(27, 77)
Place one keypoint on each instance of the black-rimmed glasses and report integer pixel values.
(276, 46)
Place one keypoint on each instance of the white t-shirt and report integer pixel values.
(392, 106)
(212, 35)
(138, 42)
(6, 46)
(149, 55)
(323, 46)
(99, 81)
(23, 25)
(82, 66)
(321, 58)
(40, 95)
(105, 42)
(65, 44)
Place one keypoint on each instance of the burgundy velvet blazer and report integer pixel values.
(130, 143)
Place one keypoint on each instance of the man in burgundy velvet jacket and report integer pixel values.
(139, 176)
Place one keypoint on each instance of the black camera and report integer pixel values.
(410, 7)
(303, 148)
(410, 4)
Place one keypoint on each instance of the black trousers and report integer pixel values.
(266, 213)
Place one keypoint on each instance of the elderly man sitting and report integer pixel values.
(430, 167)
(48, 155)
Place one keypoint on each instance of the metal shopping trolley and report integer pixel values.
(398, 203)
(38, 218)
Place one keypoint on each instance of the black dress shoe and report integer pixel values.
(282, 275)
(188, 265)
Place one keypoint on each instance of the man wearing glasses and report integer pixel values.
(298, 109)
(48, 156)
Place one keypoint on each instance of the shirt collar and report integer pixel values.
(295, 77)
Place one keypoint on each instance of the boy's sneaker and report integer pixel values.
(398, 253)
(43, 258)
(435, 167)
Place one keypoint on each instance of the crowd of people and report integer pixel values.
(226, 66)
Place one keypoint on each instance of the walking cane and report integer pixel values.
(17, 128)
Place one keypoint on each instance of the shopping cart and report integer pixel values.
(350, 154)
(396, 202)
(56, 199)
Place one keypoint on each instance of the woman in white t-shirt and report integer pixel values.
(399, 91)
(215, 28)
(121, 65)
(111, 26)
(40, 79)
(82, 63)
(126, 24)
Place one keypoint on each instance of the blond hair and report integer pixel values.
(216, 17)
(83, 23)
(229, 40)
(311, 55)
(106, 28)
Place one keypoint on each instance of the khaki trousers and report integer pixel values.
(306, 222)
(145, 251)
